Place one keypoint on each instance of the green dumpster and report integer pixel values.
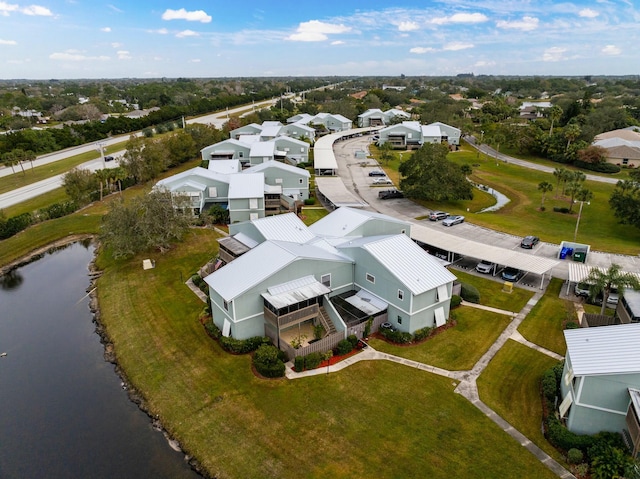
(580, 256)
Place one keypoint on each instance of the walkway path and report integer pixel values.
(467, 386)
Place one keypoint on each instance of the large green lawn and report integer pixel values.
(376, 419)
(491, 293)
(510, 385)
(457, 348)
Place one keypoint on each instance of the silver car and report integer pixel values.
(453, 220)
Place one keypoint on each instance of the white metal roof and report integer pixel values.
(367, 302)
(246, 240)
(270, 131)
(466, 247)
(604, 350)
(262, 149)
(416, 269)
(431, 131)
(323, 156)
(296, 291)
(278, 165)
(334, 189)
(287, 227)
(246, 186)
(224, 166)
(193, 174)
(579, 271)
(343, 221)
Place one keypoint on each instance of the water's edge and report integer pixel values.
(109, 350)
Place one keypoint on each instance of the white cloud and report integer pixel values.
(457, 46)
(526, 24)
(337, 42)
(588, 13)
(159, 31)
(611, 50)
(187, 33)
(195, 60)
(408, 26)
(6, 8)
(115, 9)
(484, 63)
(37, 10)
(75, 56)
(105, 29)
(8, 42)
(316, 31)
(116, 45)
(553, 54)
(461, 18)
(182, 14)
(123, 55)
(421, 50)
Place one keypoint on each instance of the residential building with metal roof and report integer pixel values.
(601, 364)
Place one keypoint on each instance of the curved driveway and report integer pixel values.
(356, 178)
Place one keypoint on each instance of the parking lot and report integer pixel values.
(355, 174)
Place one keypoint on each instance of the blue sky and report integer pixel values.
(197, 38)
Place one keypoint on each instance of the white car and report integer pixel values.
(453, 220)
(382, 181)
(485, 267)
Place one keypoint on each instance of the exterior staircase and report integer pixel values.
(326, 322)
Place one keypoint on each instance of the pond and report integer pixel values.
(63, 410)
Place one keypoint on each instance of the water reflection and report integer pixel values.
(12, 280)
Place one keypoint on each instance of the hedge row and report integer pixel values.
(469, 293)
(232, 345)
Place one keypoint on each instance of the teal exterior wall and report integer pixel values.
(239, 209)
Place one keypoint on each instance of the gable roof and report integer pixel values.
(262, 148)
(287, 227)
(404, 259)
(274, 164)
(409, 125)
(192, 175)
(224, 167)
(604, 350)
(344, 220)
(246, 186)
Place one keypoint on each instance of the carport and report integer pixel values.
(464, 247)
(324, 160)
(578, 272)
(333, 190)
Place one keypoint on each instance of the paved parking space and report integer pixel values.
(356, 177)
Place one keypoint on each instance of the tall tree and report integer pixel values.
(625, 200)
(427, 175)
(561, 175)
(613, 278)
(575, 187)
(555, 113)
(79, 185)
(545, 187)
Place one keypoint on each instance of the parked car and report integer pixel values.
(582, 289)
(529, 242)
(382, 181)
(485, 267)
(453, 220)
(613, 297)
(438, 215)
(390, 194)
(511, 274)
(108, 158)
(377, 173)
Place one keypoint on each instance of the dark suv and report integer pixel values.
(377, 173)
(390, 194)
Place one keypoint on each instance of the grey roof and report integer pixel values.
(246, 240)
(224, 167)
(473, 249)
(334, 189)
(271, 131)
(632, 298)
(410, 264)
(367, 302)
(246, 186)
(287, 227)
(343, 221)
(314, 251)
(193, 174)
(262, 148)
(278, 165)
(233, 245)
(579, 272)
(296, 291)
(604, 350)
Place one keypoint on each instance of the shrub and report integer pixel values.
(353, 339)
(310, 201)
(267, 361)
(367, 328)
(242, 346)
(398, 337)
(558, 209)
(469, 293)
(313, 360)
(298, 364)
(57, 210)
(600, 167)
(197, 280)
(549, 385)
(343, 347)
(212, 329)
(564, 439)
(14, 225)
(575, 456)
(455, 301)
(572, 325)
(423, 333)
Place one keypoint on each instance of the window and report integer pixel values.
(241, 154)
(226, 305)
(399, 319)
(253, 203)
(300, 180)
(326, 280)
(278, 181)
(400, 295)
(403, 232)
(371, 278)
(302, 149)
(286, 149)
(625, 161)
(409, 135)
(253, 216)
(213, 192)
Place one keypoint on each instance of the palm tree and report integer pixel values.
(560, 174)
(555, 113)
(576, 188)
(545, 187)
(572, 132)
(605, 281)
